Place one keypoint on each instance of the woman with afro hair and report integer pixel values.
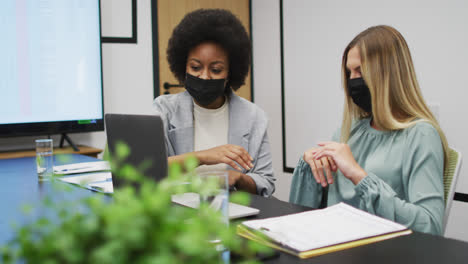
(209, 52)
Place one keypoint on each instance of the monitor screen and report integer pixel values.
(50, 67)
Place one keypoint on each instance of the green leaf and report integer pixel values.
(130, 173)
(7, 254)
(191, 163)
(240, 198)
(122, 150)
(27, 209)
(133, 227)
(106, 155)
(64, 159)
(175, 171)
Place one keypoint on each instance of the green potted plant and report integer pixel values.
(133, 227)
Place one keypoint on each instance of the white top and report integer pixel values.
(211, 128)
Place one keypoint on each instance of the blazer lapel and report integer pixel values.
(181, 126)
(238, 123)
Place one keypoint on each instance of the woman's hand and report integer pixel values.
(319, 166)
(228, 154)
(342, 156)
(233, 177)
(242, 181)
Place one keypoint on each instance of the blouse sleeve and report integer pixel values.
(304, 189)
(422, 175)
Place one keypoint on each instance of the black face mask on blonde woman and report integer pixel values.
(359, 92)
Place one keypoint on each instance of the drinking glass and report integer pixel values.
(44, 158)
(216, 195)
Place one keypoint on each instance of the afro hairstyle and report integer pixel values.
(215, 25)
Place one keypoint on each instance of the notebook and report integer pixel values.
(193, 200)
(144, 135)
(318, 232)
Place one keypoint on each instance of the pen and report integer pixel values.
(74, 169)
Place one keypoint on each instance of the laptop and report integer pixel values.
(144, 135)
(235, 211)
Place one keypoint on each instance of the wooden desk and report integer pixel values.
(84, 150)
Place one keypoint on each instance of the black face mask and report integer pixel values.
(204, 91)
(360, 94)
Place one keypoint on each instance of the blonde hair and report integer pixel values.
(387, 68)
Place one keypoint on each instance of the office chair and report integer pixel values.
(452, 169)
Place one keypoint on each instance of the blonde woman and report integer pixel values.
(388, 157)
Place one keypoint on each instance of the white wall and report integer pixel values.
(267, 81)
(267, 89)
(315, 34)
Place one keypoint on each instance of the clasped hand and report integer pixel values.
(231, 154)
(228, 154)
(332, 156)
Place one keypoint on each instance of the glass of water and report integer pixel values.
(216, 191)
(44, 158)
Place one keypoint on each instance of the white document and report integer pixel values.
(82, 167)
(320, 228)
(104, 186)
(96, 181)
(85, 178)
(192, 200)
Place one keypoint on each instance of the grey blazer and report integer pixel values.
(247, 128)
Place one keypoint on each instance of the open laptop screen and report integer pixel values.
(144, 135)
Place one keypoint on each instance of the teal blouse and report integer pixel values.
(404, 181)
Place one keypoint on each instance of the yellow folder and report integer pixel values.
(257, 237)
(319, 232)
